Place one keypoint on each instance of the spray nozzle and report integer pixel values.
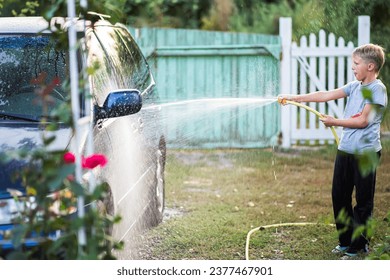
(282, 100)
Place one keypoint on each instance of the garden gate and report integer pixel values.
(312, 66)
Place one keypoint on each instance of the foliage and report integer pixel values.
(382, 251)
(19, 8)
(51, 8)
(219, 16)
(259, 16)
(49, 207)
(166, 13)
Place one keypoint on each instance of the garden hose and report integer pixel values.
(284, 101)
(271, 226)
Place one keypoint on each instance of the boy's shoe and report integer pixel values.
(349, 256)
(340, 249)
(352, 254)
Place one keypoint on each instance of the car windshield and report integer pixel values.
(32, 71)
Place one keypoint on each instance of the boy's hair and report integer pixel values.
(371, 53)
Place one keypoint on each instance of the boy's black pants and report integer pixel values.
(346, 176)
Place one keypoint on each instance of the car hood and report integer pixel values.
(15, 137)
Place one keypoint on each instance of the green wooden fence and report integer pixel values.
(201, 68)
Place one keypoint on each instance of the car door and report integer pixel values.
(151, 124)
(131, 160)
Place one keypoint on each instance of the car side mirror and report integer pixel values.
(119, 103)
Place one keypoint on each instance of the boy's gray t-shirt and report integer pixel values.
(358, 140)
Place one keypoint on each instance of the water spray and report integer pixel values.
(284, 101)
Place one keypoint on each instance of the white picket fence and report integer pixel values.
(320, 63)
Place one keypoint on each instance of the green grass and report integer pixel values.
(223, 194)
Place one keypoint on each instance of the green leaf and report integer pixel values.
(48, 140)
(61, 174)
(368, 162)
(367, 94)
(77, 189)
(51, 11)
(18, 234)
(358, 232)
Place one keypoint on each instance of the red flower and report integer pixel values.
(69, 158)
(92, 161)
(89, 162)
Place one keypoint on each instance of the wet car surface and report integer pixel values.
(130, 137)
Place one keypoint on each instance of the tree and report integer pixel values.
(166, 13)
(19, 8)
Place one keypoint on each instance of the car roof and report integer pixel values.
(22, 24)
(38, 24)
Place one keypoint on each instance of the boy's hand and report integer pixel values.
(283, 97)
(327, 120)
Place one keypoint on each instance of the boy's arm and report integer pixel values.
(318, 96)
(358, 121)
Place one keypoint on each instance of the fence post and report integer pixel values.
(363, 30)
(285, 32)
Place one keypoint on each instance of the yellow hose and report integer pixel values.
(270, 226)
(284, 101)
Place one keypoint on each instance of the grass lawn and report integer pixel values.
(215, 197)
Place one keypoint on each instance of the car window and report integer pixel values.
(102, 80)
(141, 75)
(28, 64)
(121, 64)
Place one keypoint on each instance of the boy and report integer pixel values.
(361, 135)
